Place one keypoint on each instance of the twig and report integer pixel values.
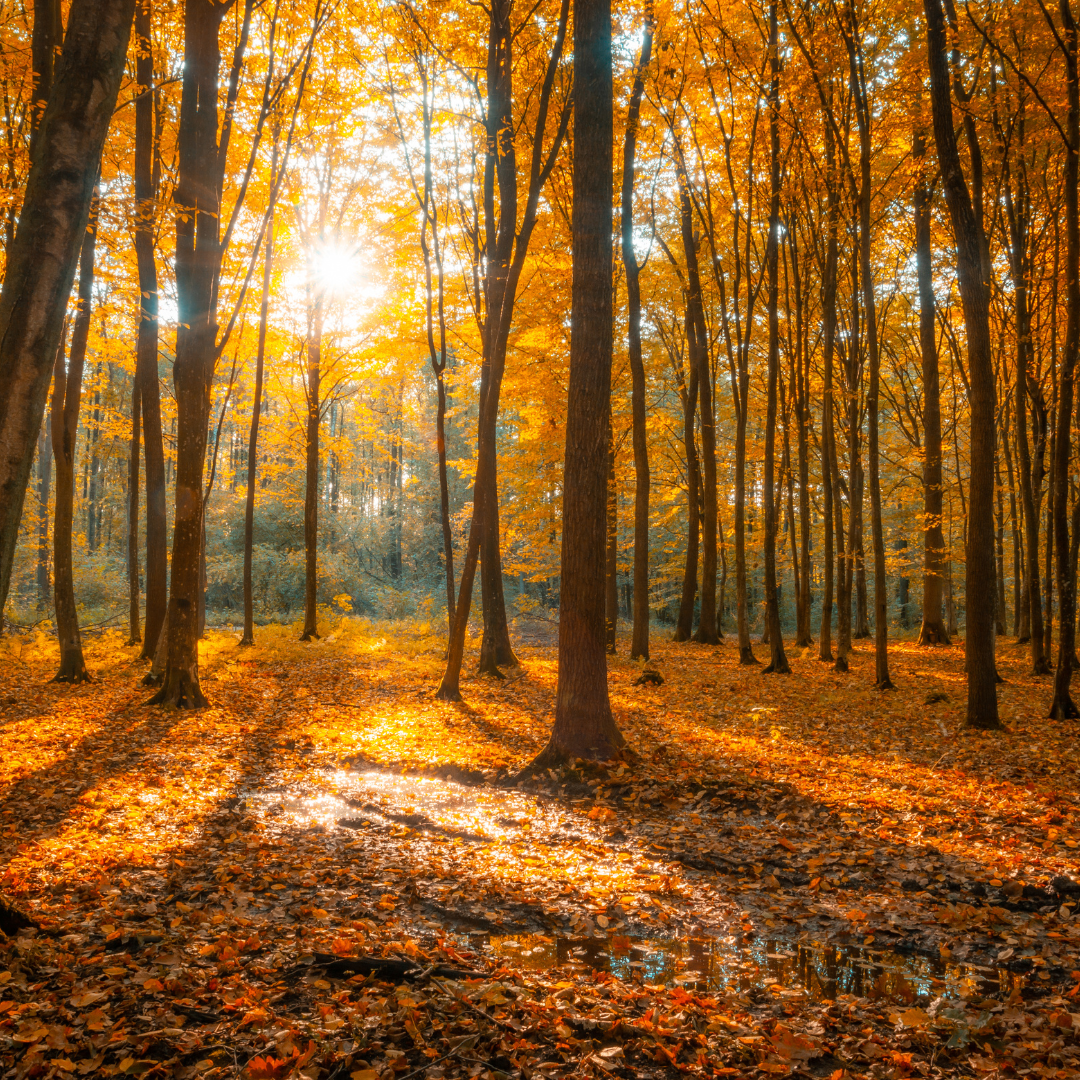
(476, 1008)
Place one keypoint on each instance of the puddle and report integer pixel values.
(816, 970)
(820, 970)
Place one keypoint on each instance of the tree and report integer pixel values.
(67, 394)
(639, 645)
(778, 662)
(932, 631)
(41, 261)
(982, 709)
(584, 726)
(147, 183)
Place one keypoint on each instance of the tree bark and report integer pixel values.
(982, 710)
(198, 258)
(67, 395)
(134, 613)
(611, 577)
(41, 261)
(44, 590)
(248, 637)
(494, 356)
(688, 596)
(1062, 706)
(584, 726)
(829, 466)
(932, 631)
(698, 354)
(778, 662)
(882, 680)
(146, 349)
(639, 644)
(311, 487)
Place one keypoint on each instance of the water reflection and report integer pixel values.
(818, 970)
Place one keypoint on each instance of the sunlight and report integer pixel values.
(334, 266)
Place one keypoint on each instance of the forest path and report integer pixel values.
(779, 843)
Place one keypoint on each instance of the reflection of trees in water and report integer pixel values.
(823, 971)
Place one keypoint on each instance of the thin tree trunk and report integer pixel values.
(134, 627)
(882, 680)
(146, 364)
(41, 261)
(778, 662)
(639, 644)
(829, 465)
(44, 591)
(311, 486)
(584, 726)
(248, 637)
(67, 395)
(685, 623)
(698, 354)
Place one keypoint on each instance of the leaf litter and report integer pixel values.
(329, 874)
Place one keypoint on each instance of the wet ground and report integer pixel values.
(712, 946)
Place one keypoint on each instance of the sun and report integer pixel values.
(334, 266)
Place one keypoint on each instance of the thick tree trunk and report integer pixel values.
(41, 261)
(311, 487)
(778, 662)
(584, 726)
(639, 644)
(198, 256)
(611, 577)
(982, 711)
(1062, 706)
(146, 364)
(67, 395)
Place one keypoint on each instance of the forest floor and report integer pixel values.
(330, 874)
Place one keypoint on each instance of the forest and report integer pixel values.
(539, 538)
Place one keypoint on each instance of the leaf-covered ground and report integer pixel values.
(798, 875)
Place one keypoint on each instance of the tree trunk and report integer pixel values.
(44, 591)
(829, 465)
(881, 586)
(146, 349)
(1062, 706)
(982, 711)
(611, 582)
(311, 487)
(248, 637)
(584, 726)
(689, 394)
(67, 395)
(932, 631)
(639, 644)
(41, 261)
(698, 354)
(198, 258)
(778, 662)
(134, 627)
